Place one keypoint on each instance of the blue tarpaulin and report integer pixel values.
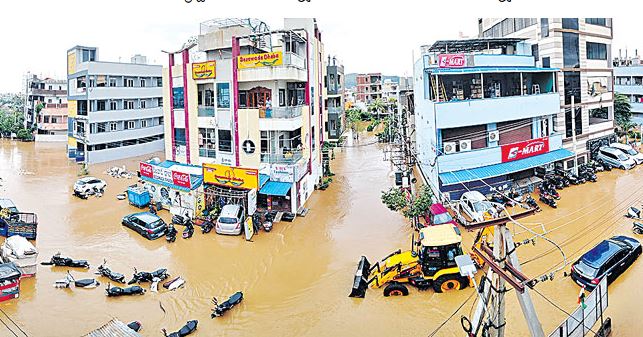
(276, 188)
(461, 176)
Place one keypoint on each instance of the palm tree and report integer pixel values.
(623, 113)
(377, 106)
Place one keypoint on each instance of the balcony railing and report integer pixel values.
(283, 112)
(288, 157)
(207, 153)
(206, 111)
(295, 60)
(335, 110)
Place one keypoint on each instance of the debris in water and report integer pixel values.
(119, 172)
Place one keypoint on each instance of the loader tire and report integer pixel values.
(395, 289)
(449, 282)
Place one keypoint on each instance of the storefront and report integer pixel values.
(283, 187)
(230, 185)
(178, 187)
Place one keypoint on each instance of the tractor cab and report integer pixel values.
(439, 245)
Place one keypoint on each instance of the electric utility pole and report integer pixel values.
(574, 135)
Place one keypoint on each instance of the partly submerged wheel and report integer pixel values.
(450, 282)
(395, 289)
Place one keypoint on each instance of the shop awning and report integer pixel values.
(263, 179)
(477, 70)
(461, 176)
(276, 188)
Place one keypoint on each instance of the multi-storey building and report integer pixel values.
(628, 80)
(335, 99)
(582, 49)
(115, 109)
(51, 95)
(254, 108)
(369, 87)
(483, 115)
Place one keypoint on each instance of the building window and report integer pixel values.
(578, 120)
(159, 101)
(101, 81)
(46, 119)
(571, 58)
(112, 82)
(143, 123)
(546, 62)
(572, 87)
(159, 81)
(223, 95)
(596, 21)
(128, 82)
(112, 126)
(570, 23)
(143, 104)
(313, 137)
(142, 83)
(534, 52)
(113, 105)
(544, 27)
(207, 143)
(225, 140)
(282, 97)
(179, 136)
(101, 105)
(101, 127)
(177, 95)
(599, 115)
(128, 105)
(130, 125)
(596, 51)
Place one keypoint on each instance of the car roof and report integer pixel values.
(6, 203)
(86, 179)
(230, 210)
(473, 195)
(601, 253)
(609, 149)
(437, 209)
(146, 217)
(439, 235)
(620, 146)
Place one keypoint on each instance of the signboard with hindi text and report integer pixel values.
(260, 60)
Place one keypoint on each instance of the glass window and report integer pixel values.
(225, 140)
(578, 120)
(534, 51)
(179, 136)
(572, 86)
(544, 27)
(570, 23)
(177, 94)
(207, 143)
(546, 62)
(223, 95)
(596, 21)
(596, 51)
(571, 58)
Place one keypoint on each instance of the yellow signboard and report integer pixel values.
(261, 60)
(71, 62)
(230, 176)
(204, 70)
(71, 141)
(71, 109)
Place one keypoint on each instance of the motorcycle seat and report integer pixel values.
(236, 297)
(84, 282)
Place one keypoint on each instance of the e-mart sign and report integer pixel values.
(452, 61)
(525, 149)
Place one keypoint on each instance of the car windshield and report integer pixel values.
(585, 269)
(80, 182)
(227, 220)
(621, 156)
(482, 206)
(439, 219)
(632, 152)
(154, 224)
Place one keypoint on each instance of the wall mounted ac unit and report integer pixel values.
(465, 145)
(449, 147)
(493, 136)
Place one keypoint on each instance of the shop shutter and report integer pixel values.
(476, 133)
(514, 131)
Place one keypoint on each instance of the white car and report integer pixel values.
(476, 206)
(230, 221)
(86, 184)
(628, 150)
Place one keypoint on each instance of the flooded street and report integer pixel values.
(296, 279)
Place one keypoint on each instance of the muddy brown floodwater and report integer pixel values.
(296, 278)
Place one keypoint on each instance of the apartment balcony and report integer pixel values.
(455, 114)
(47, 92)
(281, 118)
(288, 157)
(106, 137)
(483, 157)
(206, 111)
(629, 89)
(282, 112)
(292, 69)
(333, 110)
(120, 115)
(123, 92)
(637, 107)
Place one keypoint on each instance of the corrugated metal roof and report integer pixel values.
(113, 328)
(276, 188)
(263, 179)
(461, 176)
(490, 70)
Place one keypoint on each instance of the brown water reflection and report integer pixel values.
(295, 279)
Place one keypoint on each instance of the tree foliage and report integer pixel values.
(396, 200)
(10, 122)
(622, 112)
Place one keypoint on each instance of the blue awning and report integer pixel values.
(478, 70)
(456, 177)
(263, 179)
(276, 188)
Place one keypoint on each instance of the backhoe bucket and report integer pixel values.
(361, 278)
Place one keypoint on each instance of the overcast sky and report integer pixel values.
(366, 35)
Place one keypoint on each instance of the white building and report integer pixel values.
(582, 49)
(51, 95)
(115, 109)
(628, 80)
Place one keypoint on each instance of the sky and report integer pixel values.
(365, 35)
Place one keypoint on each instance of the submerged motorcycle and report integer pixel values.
(145, 276)
(187, 329)
(170, 234)
(174, 283)
(220, 309)
(637, 228)
(207, 226)
(103, 270)
(66, 282)
(60, 261)
(634, 213)
(189, 230)
(531, 202)
(548, 199)
(118, 291)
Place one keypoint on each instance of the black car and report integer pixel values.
(609, 258)
(149, 225)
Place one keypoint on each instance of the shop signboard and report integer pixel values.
(204, 70)
(452, 61)
(252, 201)
(165, 175)
(301, 170)
(181, 179)
(524, 149)
(229, 176)
(261, 60)
(146, 170)
(282, 173)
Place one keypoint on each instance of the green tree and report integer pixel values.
(396, 200)
(353, 115)
(622, 112)
(378, 106)
(10, 122)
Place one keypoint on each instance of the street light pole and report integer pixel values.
(574, 135)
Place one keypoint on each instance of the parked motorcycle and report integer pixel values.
(135, 326)
(170, 233)
(634, 213)
(588, 174)
(118, 291)
(556, 181)
(144, 276)
(180, 219)
(106, 272)
(207, 226)
(69, 280)
(638, 228)
(60, 261)
(606, 166)
(550, 190)
(548, 199)
(189, 230)
(267, 222)
(64, 282)
(174, 284)
(187, 329)
(220, 309)
(531, 202)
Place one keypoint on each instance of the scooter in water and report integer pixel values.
(174, 284)
(267, 222)
(145, 276)
(106, 272)
(548, 199)
(118, 291)
(60, 261)
(220, 309)
(552, 192)
(634, 213)
(189, 230)
(64, 282)
(531, 202)
(187, 329)
(135, 326)
(637, 228)
(206, 226)
(170, 233)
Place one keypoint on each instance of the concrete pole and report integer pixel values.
(499, 254)
(574, 135)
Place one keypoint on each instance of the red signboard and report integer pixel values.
(181, 179)
(146, 170)
(451, 61)
(524, 149)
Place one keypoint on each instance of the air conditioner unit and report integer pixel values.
(449, 147)
(465, 145)
(493, 136)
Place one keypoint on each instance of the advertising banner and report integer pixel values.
(181, 179)
(204, 70)
(71, 62)
(146, 170)
(230, 176)
(282, 173)
(261, 60)
(451, 61)
(165, 175)
(524, 149)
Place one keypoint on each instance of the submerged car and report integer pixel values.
(230, 221)
(87, 184)
(477, 207)
(149, 225)
(9, 206)
(615, 157)
(610, 258)
(438, 215)
(630, 151)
